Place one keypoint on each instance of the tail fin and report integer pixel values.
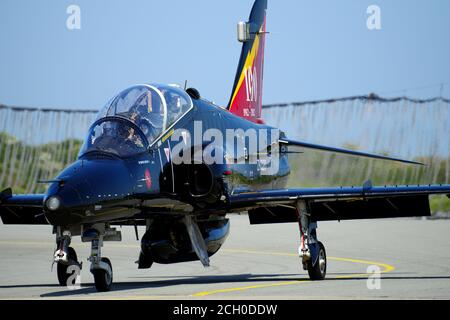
(246, 97)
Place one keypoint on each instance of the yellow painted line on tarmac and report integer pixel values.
(208, 293)
(386, 268)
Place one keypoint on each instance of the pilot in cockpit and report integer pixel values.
(132, 136)
(173, 106)
(146, 114)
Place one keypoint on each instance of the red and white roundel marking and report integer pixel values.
(148, 178)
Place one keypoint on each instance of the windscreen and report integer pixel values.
(114, 136)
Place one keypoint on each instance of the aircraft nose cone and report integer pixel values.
(83, 185)
(61, 203)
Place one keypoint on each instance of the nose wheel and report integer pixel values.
(68, 267)
(62, 269)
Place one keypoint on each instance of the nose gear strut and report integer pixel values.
(65, 257)
(63, 240)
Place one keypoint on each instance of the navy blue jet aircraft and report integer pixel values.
(129, 172)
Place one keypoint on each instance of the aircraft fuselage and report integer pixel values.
(101, 187)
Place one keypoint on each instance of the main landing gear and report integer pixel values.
(311, 251)
(101, 267)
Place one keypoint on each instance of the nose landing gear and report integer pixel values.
(65, 257)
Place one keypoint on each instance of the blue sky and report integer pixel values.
(316, 49)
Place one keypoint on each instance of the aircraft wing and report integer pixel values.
(21, 209)
(338, 203)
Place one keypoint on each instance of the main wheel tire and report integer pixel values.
(319, 270)
(61, 268)
(102, 278)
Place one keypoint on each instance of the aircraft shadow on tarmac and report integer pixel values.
(88, 288)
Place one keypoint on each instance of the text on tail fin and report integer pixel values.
(246, 97)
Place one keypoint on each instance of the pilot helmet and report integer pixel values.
(173, 102)
(122, 131)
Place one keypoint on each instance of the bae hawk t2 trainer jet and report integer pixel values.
(129, 172)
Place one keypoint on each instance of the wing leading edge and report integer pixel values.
(339, 203)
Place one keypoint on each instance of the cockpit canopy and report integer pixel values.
(136, 117)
